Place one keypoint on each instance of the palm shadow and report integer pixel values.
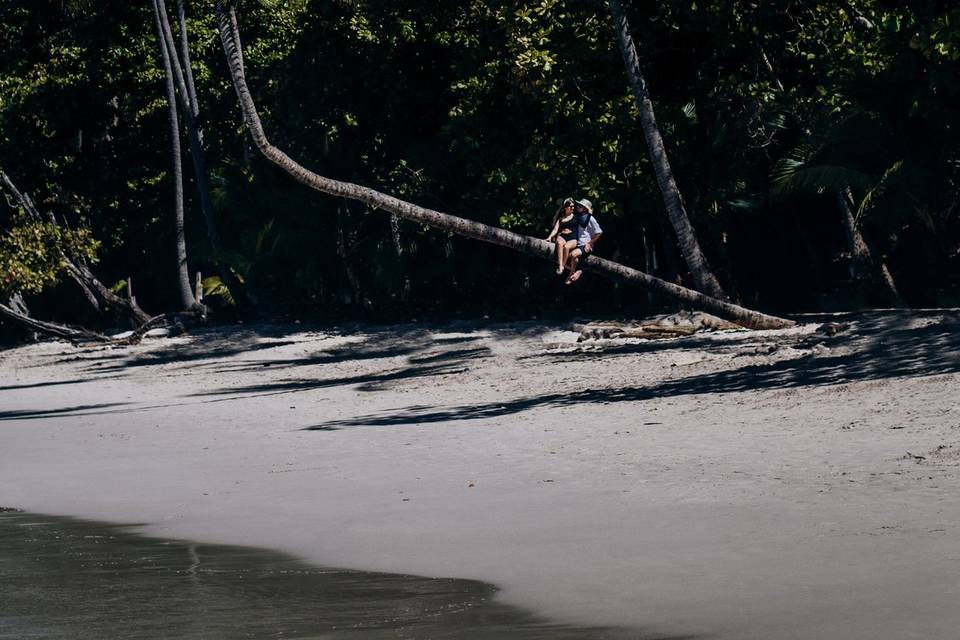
(878, 347)
(38, 414)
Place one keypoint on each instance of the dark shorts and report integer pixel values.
(583, 248)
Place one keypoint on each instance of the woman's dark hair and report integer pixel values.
(559, 214)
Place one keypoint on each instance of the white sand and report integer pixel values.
(736, 485)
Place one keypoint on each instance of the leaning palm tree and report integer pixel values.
(230, 37)
(703, 278)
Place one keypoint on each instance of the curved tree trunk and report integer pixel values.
(187, 301)
(864, 263)
(460, 226)
(703, 277)
(82, 274)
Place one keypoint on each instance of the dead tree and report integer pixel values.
(99, 296)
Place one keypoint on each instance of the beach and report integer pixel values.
(798, 483)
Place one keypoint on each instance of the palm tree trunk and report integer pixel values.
(187, 301)
(186, 93)
(864, 263)
(460, 226)
(703, 277)
(187, 65)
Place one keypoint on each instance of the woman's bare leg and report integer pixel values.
(568, 246)
(574, 263)
(561, 254)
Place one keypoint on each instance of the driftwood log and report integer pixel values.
(674, 325)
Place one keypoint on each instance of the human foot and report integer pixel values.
(574, 276)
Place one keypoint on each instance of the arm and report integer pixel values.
(556, 228)
(595, 232)
(593, 241)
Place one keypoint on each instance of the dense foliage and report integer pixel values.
(492, 110)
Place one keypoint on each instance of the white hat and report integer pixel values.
(586, 204)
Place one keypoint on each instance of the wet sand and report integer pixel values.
(770, 485)
(69, 579)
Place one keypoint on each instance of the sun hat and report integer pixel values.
(586, 204)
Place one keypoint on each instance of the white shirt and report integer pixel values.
(592, 230)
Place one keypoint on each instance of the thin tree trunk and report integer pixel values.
(770, 70)
(187, 65)
(187, 300)
(864, 263)
(703, 277)
(460, 226)
(346, 259)
(187, 96)
(82, 273)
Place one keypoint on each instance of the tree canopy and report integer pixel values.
(495, 110)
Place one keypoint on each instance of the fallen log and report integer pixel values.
(673, 325)
(73, 334)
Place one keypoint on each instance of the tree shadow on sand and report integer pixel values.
(877, 347)
(37, 414)
(215, 348)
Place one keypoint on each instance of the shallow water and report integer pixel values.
(66, 578)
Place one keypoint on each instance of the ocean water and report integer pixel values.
(62, 578)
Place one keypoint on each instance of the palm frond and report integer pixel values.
(214, 286)
(792, 178)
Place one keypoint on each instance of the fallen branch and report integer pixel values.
(73, 334)
(230, 38)
(93, 290)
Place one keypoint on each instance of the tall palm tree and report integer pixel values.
(703, 278)
(230, 37)
(187, 96)
(187, 299)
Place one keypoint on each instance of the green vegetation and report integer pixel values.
(493, 111)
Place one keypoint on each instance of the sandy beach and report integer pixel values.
(778, 484)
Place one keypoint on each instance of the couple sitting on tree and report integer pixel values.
(575, 231)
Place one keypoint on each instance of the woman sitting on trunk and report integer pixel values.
(564, 233)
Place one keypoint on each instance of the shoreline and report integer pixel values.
(84, 580)
(748, 485)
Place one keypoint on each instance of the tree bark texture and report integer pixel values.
(460, 226)
(703, 277)
(187, 96)
(864, 262)
(187, 300)
(187, 65)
